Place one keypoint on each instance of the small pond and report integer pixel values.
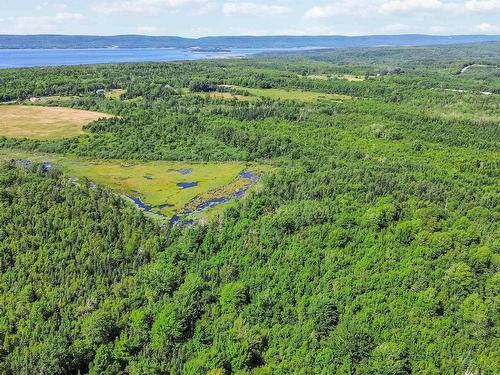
(249, 175)
(180, 219)
(252, 177)
(187, 185)
(184, 172)
(148, 208)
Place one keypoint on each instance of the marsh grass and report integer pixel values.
(159, 188)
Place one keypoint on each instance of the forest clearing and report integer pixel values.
(37, 122)
(164, 188)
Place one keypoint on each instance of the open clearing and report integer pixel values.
(114, 94)
(321, 77)
(297, 95)
(350, 78)
(345, 77)
(155, 183)
(37, 122)
(252, 94)
(229, 96)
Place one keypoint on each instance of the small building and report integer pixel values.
(100, 92)
(35, 99)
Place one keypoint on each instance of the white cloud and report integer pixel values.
(402, 6)
(345, 7)
(148, 30)
(39, 24)
(141, 6)
(367, 8)
(254, 9)
(59, 7)
(327, 11)
(395, 28)
(438, 29)
(488, 28)
(482, 5)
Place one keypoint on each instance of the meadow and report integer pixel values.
(37, 122)
(249, 94)
(230, 96)
(114, 94)
(347, 77)
(297, 95)
(155, 183)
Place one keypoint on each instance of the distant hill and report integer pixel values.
(141, 41)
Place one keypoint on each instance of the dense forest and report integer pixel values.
(373, 246)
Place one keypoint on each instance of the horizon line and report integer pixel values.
(254, 36)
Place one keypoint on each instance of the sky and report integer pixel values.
(195, 18)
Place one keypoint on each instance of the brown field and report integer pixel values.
(38, 122)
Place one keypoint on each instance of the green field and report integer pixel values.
(114, 94)
(37, 122)
(297, 95)
(282, 94)
(321, 77)
(155, 183)
(346, 77)
(229, 96)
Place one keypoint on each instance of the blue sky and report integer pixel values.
(195, 18)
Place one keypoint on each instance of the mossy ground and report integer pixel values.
(155, 183)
